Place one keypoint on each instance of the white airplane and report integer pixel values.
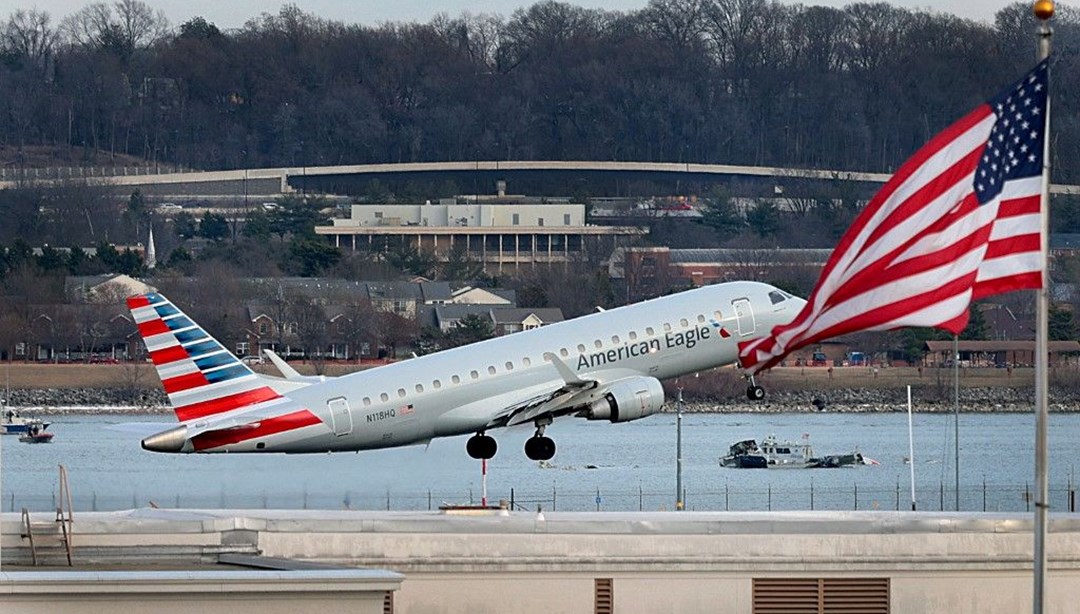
(602, 366)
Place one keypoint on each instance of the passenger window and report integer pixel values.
(718, 316)
(456, 379)
(367, 401)
(474, 375)
(564, 352)
(436, 384)
(598, 344)
(701, 318)
(684, 323)
(649, 331)
(384, 397)
(525, 361)
(419, 388)
(667, 327)
(401, 392)
(581, 348)
(509, 366)
(615, 339)
(633, 336)
(491, 370)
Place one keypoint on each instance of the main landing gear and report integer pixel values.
(753, 391)
(538, 447)
(481, 446)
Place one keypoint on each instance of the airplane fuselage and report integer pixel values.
(460, 390)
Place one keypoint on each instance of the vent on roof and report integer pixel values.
(821, 596)
(604, 596)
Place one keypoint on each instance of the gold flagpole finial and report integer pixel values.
(1043, 9)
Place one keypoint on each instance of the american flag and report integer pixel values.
(960, 220)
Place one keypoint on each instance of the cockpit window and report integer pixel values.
(777, 296)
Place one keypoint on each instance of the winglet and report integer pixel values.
(564, 371)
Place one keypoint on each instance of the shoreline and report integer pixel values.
(796, 392)
(31, 411)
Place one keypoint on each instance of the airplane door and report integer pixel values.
(744, 316)
(340, 417)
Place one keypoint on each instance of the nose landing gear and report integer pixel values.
(753, 391)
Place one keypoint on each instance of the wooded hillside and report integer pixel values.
(711, 81)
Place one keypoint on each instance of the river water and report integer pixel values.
(598, 465)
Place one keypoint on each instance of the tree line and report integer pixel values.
(710, 81)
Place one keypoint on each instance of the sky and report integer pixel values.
(233, 13)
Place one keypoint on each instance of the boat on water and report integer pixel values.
(14, 424)
(777, 454)
(36, 433)
(37, 437)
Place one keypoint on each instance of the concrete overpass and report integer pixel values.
(472, 177)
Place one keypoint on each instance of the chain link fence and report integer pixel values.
(986, 497)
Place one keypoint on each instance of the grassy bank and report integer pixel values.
(36, 376)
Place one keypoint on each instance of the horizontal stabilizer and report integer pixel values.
(140, 429)
(290, 373)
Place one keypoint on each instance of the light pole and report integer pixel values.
(679, 503)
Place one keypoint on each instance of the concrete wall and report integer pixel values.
(686, 562)
(350, 591)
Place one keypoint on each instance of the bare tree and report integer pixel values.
(11, 332)
(359, 325)
(29, 36)
(122, 27)
(311, 331)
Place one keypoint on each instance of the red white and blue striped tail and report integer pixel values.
(201, 376)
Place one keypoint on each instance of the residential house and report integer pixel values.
(468, 295)
(113, 288)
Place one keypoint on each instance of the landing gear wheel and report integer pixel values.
(755, 393)
(481, 446)
(539, 448)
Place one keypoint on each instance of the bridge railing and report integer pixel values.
(89, 172)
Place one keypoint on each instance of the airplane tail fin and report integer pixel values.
(200, 376)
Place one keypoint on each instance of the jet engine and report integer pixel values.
(627, 399)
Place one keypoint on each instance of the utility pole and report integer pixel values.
(679, 503)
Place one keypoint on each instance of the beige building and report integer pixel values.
(499, 236)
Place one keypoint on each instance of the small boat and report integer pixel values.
(36, 434)
(42, 437)
(14, 424)
(776, 454)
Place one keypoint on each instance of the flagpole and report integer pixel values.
(956, 413)
(1043, 10)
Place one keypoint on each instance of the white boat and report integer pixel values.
(776, 454)
(14, 424)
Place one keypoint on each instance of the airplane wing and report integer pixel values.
(561, 400)
(553, 403)
(573, 393)
(618, 399)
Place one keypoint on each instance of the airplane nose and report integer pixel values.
(171, 440)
